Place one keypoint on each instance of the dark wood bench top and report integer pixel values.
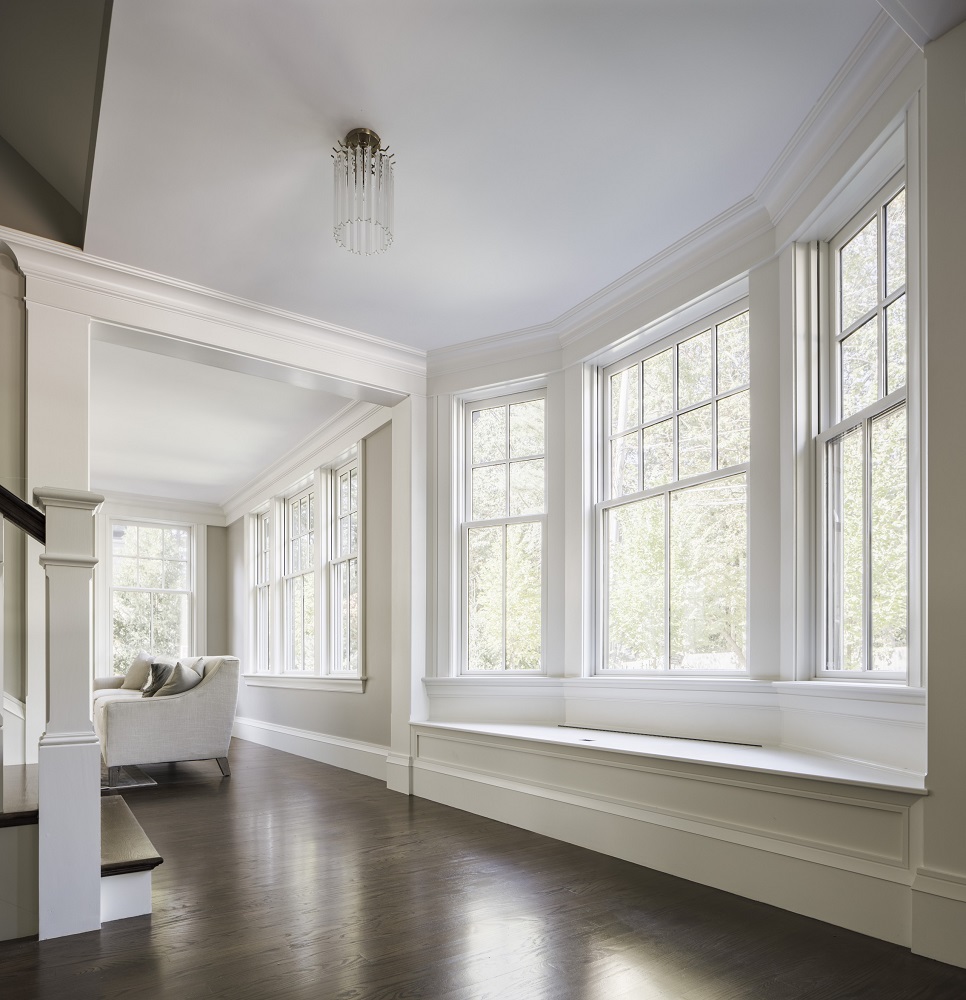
(125, 847)
(19, 806)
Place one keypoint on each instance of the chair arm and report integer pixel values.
(104, 683)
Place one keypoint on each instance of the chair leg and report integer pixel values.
(113, 776)
(223, 764)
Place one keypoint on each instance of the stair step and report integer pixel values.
(125, 847)
(19, 805)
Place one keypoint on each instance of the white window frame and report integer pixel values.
(263, 573)
(309, 496)
(464, 494)
(605, 502)
(832, 426)
(320, 674)
(192, 581)
(337, 559)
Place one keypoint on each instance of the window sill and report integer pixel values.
(347, 685)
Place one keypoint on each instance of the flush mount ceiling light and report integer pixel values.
(362, 197)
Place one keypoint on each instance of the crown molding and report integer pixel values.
(349, 425)
(877, 60)
(134, 504)
(573, 331)
(67, 278)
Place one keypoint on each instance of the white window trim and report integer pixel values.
(603, 435)
(462, 482)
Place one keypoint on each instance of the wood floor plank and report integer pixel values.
(292, 880)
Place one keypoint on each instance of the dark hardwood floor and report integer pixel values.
(292, 879)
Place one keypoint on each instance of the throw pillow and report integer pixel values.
(160, 672)
(182, 678)
(137, 672)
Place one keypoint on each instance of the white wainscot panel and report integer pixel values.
(872, 827)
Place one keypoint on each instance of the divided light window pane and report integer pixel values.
(150, 591)
(504, 530)
(344, 577)
(675, 552)
(866, 467)
(300, 583)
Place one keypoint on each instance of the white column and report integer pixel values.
(408, 575)
(57, 451)
(69, 853)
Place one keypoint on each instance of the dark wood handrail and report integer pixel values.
(20, 513)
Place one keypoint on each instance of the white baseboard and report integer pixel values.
(352, 755)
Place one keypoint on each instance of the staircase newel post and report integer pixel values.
(69, 849)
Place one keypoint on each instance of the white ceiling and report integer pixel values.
(544, 148)
(167, 427)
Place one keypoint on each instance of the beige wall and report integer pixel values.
(216, 597)
(30, 204)
(363, 717)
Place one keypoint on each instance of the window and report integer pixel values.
(262, 606)
(863, 447)
(306, 625)
(504, 534)
(344, 569)
(151, 590)
(299, 581)
(673, 519)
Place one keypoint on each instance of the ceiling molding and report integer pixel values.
(152, 508)
(116, 293)
(925, 20)
(878, 59)
(736, 234)
(349, 425)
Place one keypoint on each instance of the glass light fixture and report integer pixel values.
(362, 196)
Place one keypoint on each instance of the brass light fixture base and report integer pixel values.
(363, 137)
